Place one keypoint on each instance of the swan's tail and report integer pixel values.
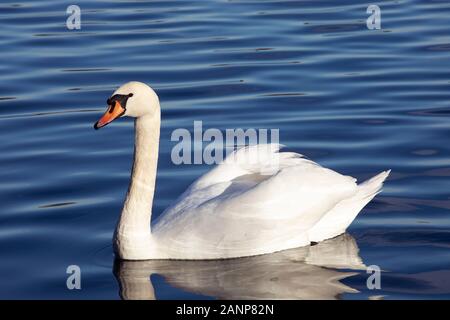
(370, 188)
(337, 220)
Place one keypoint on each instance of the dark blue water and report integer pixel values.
(356, 100)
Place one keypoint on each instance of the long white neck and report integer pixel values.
(133, 235)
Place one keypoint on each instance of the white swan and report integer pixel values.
(257, 201)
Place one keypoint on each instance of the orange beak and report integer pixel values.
(115, 110)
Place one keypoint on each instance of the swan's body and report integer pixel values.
(257, 201)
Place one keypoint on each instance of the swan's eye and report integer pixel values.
(130, 95)
(113, 105)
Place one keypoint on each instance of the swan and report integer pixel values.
(257, 201)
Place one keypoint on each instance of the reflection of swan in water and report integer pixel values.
(301, 273)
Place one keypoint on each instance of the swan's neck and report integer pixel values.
(133, 230)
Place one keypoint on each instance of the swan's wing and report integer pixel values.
(257, 201)
(263, 159)
(241, 170)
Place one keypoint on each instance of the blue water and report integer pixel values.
(356, 100)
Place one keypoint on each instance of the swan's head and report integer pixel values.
(133, 99)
